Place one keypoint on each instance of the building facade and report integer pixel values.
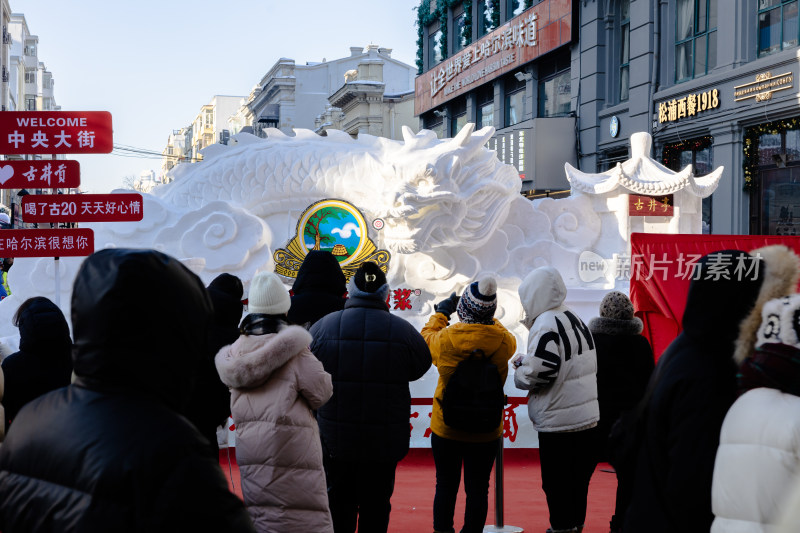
(292, 96)
(27, 85)
(506, 64)
(5, 53)
(175, 151)
(363, 105)
(210, 126)
(714, 83)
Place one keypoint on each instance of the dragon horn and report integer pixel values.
(475, 140)
(408, 134)
(464, 135)
(423, 139)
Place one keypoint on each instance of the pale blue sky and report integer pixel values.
(154, 63)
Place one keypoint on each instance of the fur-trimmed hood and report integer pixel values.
(616, 326)
(251, 360)
(781, 273)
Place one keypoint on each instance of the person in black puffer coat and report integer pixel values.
(44, 360)
(210, 404)
(112, 451)
(624, 365)
(371, 356)
(694, 385)
(319, 289)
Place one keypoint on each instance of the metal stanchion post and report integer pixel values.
(500, 526)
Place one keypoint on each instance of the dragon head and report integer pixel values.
(443, 192)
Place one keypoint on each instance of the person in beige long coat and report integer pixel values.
(276, 383)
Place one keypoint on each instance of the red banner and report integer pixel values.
(124, 207)
(55, 132)
(640, 205)
(662, 267)
(40, 174)
(46, 242)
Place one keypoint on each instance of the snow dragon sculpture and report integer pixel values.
(447, 210)
(450, 211)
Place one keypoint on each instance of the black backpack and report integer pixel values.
(473, 399)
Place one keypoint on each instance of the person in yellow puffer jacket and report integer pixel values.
(449, 345)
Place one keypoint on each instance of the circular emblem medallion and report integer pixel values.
(613, 127)
(335, 226)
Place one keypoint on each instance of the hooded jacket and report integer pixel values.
(276, 383)
(210, 403)
(319, 289)
(371, 356)
(561, 364)
(111, 452)
(451, 345)
(44, 360)
(696, 385)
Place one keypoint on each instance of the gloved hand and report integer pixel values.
(447, 307)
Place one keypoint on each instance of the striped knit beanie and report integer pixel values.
(479, 302)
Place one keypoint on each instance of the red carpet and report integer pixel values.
(525, 505)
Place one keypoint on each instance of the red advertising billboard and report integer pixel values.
(55, 132)
(537, 31)
(40, 174)
(46, 242)
(124, 207)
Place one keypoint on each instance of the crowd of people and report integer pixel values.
(114, 428)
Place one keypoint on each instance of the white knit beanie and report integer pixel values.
(268, 295)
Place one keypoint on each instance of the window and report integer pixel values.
(695, 38)
(697, 153)
(460, 39)
(777, 25)
(488, 16)
(514, 100)
(555, 88)
(610, 159)
(515, 7)
(30, 76)
(458, 114)
(486, 107)
(624, 49)
(435, 52)
(435, 124)
(30, 103)
(30, 49)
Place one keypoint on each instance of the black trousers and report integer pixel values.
(477, 459)
(359, 493)
(568, 461)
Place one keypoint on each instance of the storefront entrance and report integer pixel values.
(779, 202)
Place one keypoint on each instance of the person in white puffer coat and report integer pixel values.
(276, 383)
(560, 371)
(758, 459)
